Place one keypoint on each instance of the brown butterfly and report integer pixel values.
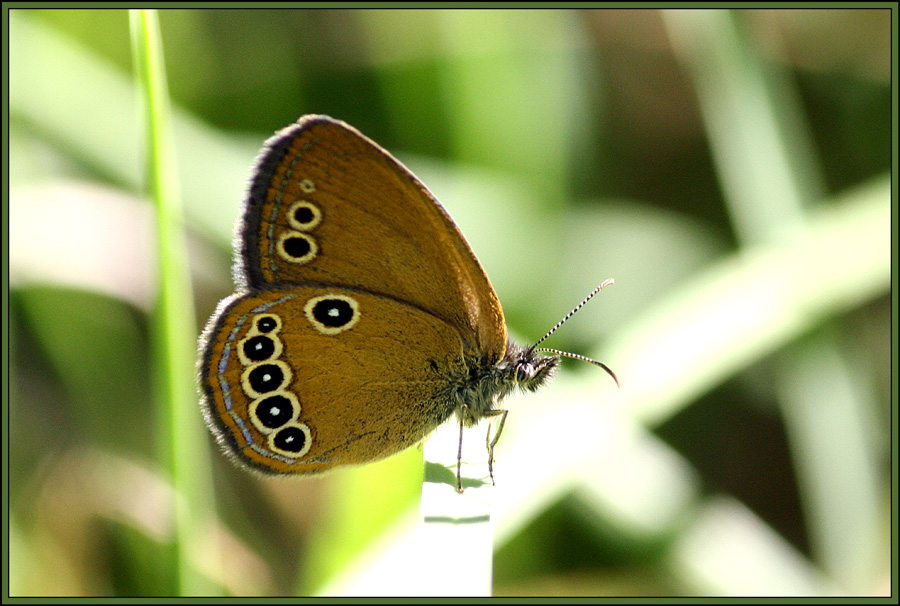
(362, 319)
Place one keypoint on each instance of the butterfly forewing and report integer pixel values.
(329, 206)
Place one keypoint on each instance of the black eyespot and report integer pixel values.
(304, 215)
(266, 324)
(297, 247)
(274, 411)
(265, 377)
(259, 348)
(290, 439)
(333, 313)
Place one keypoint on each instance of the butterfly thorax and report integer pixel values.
(488, 381)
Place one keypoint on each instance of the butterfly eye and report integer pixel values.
(524, 371)
(331, 314)
(297, 247)
(292, 441)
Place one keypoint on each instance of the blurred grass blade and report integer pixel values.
(458, 527)
(184, 453)
(759, 143)
(750, 304)
(355, 527)
(51, 65)
(446, 547)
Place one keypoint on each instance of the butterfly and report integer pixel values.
(361, 320)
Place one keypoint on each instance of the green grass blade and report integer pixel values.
(174, 333)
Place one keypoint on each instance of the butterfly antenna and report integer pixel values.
(535, 347)
(584, 359)
(572, 313)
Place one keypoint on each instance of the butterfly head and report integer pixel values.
(527, 368)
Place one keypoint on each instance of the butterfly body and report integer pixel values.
(362, 319)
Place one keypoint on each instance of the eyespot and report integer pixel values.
(266, 377)
(259, 348)
(274, 411)
(307, 186)
(304, 215)
(297, 247)
(266, 323)
(331, 314)
(293, 440)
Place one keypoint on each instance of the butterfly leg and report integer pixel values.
(462, 417)
(493, 442)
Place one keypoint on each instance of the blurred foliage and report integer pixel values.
(570, 146)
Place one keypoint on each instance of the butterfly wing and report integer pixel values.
(302, 379)
(329, 206)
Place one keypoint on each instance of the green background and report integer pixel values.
(728, 169)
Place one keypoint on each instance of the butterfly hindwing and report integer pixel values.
(302, 379)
